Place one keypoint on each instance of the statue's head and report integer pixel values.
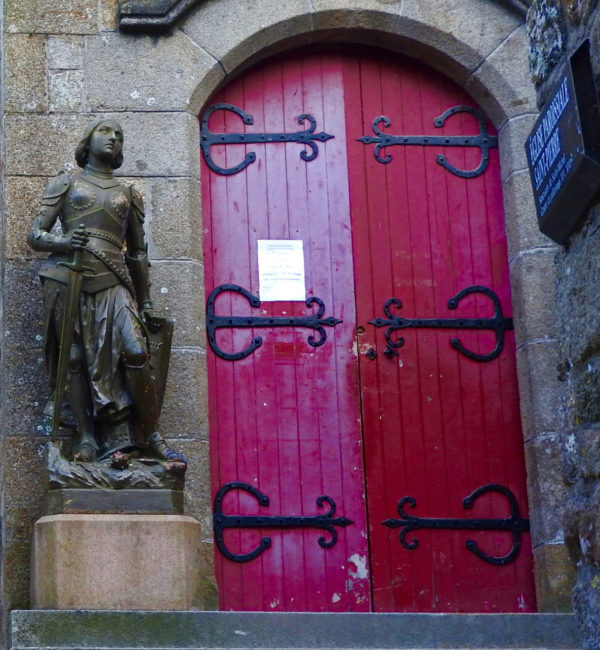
(82, 152)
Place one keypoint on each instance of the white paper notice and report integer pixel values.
(281, 269)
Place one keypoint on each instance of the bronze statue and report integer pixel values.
(98, 311)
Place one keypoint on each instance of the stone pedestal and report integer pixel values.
(116, 562)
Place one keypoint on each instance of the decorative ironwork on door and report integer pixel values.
(208, 138)
(483, 141)
(514, 524)
(214, 322)
(497, 323)
(326, 521)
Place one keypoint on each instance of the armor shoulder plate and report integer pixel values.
(57, 187)
(138, 204)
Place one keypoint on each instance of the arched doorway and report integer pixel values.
(388, 419)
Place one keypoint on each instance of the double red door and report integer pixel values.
(389, 420)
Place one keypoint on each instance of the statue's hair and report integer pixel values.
(82, 152)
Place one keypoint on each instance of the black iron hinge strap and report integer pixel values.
(326, 521)
(214, 322)
(498, 323)
(514, 524)
(483, 141)
(306, 137)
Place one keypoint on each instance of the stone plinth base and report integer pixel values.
(116, 562)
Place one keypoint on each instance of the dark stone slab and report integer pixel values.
(95, 501)
(153, 16)
(119, 630)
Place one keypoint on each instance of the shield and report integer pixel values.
(160, 335)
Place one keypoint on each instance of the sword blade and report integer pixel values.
(67, 332)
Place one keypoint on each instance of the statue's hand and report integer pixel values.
(78, 239)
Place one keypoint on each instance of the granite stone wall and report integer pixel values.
(66, 63)
(556, 28)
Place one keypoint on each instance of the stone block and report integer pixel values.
(107, 15)
(174, 226)
(522, 230)
(50, 17)
(185, 407)
(38, 145)
(24, 484)
(546, 489)
(17, 555)
(234, 32)
(539, 388)
(501, 84)
(25, 66)
(533, 281)
(23, 312)
(65, 52)
(26, 391)
(156, 144)
(123, 562)
(555, 576)
(22, 198)
(466, 31)
(65, 91)
(197, 500)
(511, 142)
(168, 79)
(178, 291)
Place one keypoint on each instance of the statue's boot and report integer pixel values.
(79, 399)
(141, 391)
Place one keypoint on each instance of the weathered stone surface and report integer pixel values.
(174, 227)
(539, 387)
(467, 32)
(23, 315)
(522, 230)
(197, 490)
(501, 84)
(146, 562)
(555, 576)
(511, 142)
(168, 80)
(586, 600)
(108, 10)
(185, 404)
(21, 202)
(65, 52)
(25, 57)
(65, 91)
(178, 290)
(24, 483)
(547, 491)
(547, 37)
(50, 17)
(578, 11)
(26, 391)
(156, 144)
(234, 32)
(532, 275)
(194, 630)
(577, 296)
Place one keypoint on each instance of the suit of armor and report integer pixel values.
(109, 385)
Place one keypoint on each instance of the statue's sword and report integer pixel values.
(76, 272)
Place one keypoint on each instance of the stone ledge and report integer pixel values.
(117, 630)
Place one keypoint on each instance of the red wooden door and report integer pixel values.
(297, 422)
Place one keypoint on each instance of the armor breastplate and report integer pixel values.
(101, 204)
